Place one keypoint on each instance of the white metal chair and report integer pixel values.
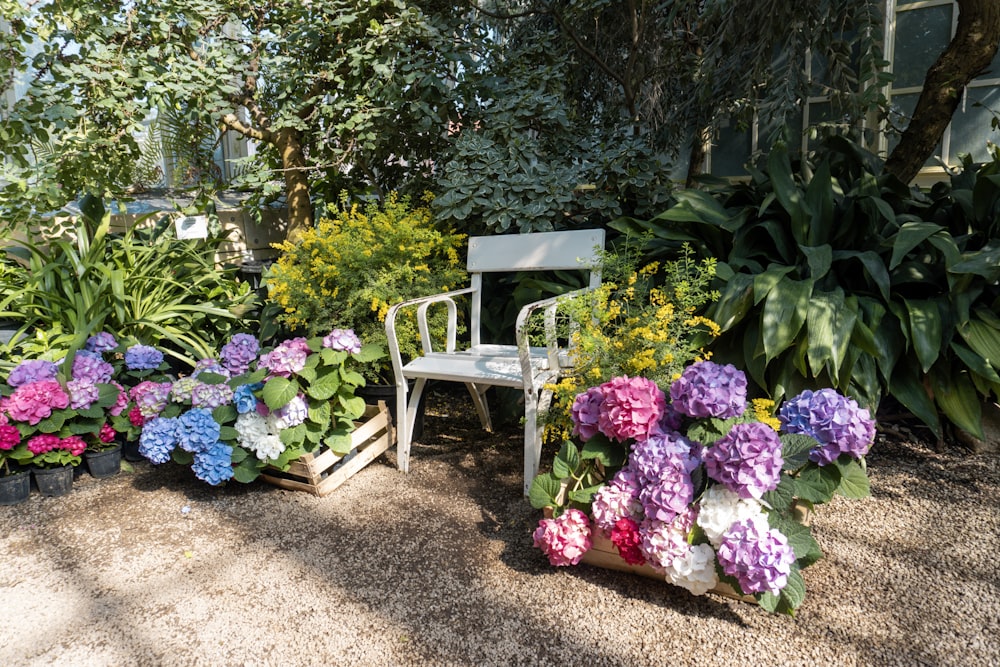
(480, 366)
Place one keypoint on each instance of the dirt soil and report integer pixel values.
(436, 567)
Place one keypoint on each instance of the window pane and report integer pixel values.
(730, 151)
(970, 126)
(921, 36)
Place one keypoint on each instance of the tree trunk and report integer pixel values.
(970, 52)
(296, 183)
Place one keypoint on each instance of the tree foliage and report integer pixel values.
(336, 92)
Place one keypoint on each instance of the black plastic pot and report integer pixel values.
(106, 463)
(15, 487)
(54, 481)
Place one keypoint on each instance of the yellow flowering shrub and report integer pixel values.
(642, 321)
(358, 261)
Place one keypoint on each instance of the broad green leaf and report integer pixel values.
(829, 324)
(793, 594)
(956, 395)
(984, 262)
(818, 483)
(339, 442)
(819, 201)
(781, 497)
(324, 387)
(735, 301)
(584, 496)
(567, 461)
(820, 258)
(610, 454)
(974, 362)
(278, 391)
(925, 330)
(544, 491)
(784, 314)
(789, 194)
(910, 235)
(246, 471)
(982, 338)
(853, 479)
(907, 387)
(795, 448)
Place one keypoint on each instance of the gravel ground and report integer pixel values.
(436, 567)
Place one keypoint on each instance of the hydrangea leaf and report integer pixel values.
(806, 548)
(239, 454)
(795, 449)
(768, 602)
(544, 490)
(208, 377)
(370, 352)
(340, 443)
(294, 435)
(782, 496)
(584, 496)
(278, 391)
(308, 373)
(853, 479)
(228, 434)
(354, 406)
(181, 457)
(793, 594)
(610, 454)
(319, 413)
(246, 471)
(567, 462)
(324, 387)
(817, 483)
(224, 414)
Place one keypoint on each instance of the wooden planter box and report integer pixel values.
(321, 472)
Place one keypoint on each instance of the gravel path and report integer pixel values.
(436, 567)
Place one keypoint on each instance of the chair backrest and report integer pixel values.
(541, 251)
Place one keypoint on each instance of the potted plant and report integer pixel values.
(357, 262)
(15, 479)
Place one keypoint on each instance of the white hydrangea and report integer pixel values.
(250, 427)
(269, 447)
(662, 542)
(720, 508)
(695, 570)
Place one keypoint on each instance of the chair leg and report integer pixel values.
(478, 393)
(532, 440)
(406, 417)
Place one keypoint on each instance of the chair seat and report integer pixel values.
(486, 364)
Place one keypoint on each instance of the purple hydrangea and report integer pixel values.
(631, 407)
(32, 370)
(82, 394)
(668, 496)
(707, 389)
(585, 413)
(239, 353)
(660, 451)
(244, 397)
(287, 358)
(92, 369)
(158, 438)
(291, 414)
(618, 499)
(143, 358)
(211, 396)
(197, 430)
(747, 460)
(100, 342)
(343, 339)
(837, 423)
(214, 465)
(758, 557)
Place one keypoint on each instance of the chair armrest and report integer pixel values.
(550, 306)
(422, 304)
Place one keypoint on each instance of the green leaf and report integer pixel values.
(956, 395)
(853, 478)
(910, 235)
(782, 496)
(795, 448)
(925, 330)
(793, 594)
(340, 442)
(278, 391)
(610, 454)
(784, 313)
(830, 323)
(567, 461)
(789, 194)
(247, 471)
(324, 387)
(544, 491)
(584, 496)
(817, 483)
(907, 388)
(982, 338)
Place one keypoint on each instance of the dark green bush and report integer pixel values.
(835, 274)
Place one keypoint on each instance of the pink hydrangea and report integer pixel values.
(663, 541)
(10, 437)
(287, 358)
(35, 401)
(43, 442)
(631, 407)
(586, 412)
(121, 402)
(74, 444)
(617, 500)
(107, 433)
(564, 539)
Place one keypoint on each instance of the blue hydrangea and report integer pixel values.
(158, 438)
(837, 422)
(143, 358)
(244, 397)
(100, 343)
(214, 465)
(198, 430)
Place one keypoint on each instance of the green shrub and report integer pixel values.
(348, 270)
(835, 274)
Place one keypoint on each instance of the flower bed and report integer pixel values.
(703, 488)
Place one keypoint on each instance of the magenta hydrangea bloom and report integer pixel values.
(32, 370)
(757, 556)
(631, 407)
(564, 539)
(10, 437)
(343, 339)
(747, 460)
(121, 402)
(707, 389)
(239, 353)
(626, 538)
(74, 444)
(34, 402)
(43, 442)
(837, 422)
(585, 413)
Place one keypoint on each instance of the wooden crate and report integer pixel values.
(321, 472)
